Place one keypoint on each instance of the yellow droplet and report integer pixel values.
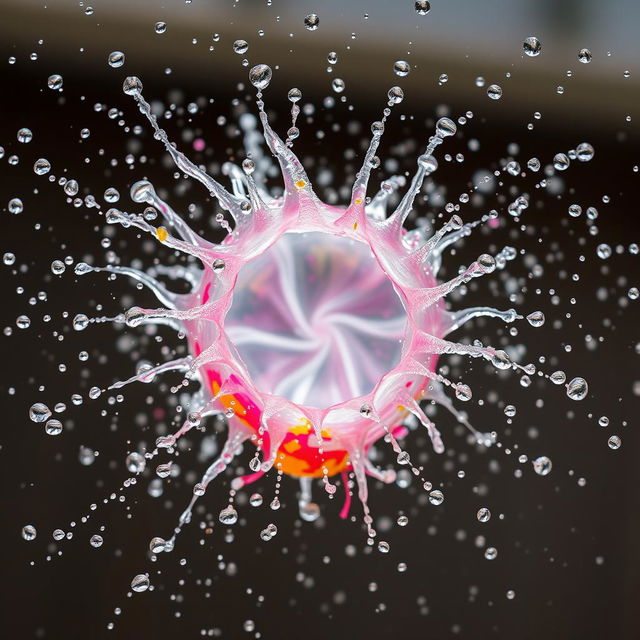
(355, 226)
(301, 184)
(162, 234)
(359, 201)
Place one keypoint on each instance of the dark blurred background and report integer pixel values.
(567, 542)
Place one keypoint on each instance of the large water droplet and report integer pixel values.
(542, 466)
(311, 22)
(577, 389)
(116, 59)
(39, 412)
(532, 46)
(140, 583)
(260, 76)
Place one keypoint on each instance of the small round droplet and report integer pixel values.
(422, 7)
(436, 497)
(494, 91)
(255, 500)
(228, 515)
(483, 514)
(401, 68)
(561, 161)
(445, 127)
(294, 95)
(15, 206)
(338, 85)
(116, 59)
(160, 27)
(240, 47)
(96, 541)
(309, 511)
(135, 462)
(536, 318)
(575, 210)
(311, 22)
(577, 389)
(29, 532)
(395, 95)
(260, 76)
(585, 152)
(491, 553)
(132, 85)
(54, 82)
(532, 46)
(584, 55)
(53, 427)
(140, 583)
(614, 442)
(39, 412)
(542, 466)
(41, 166)
(25, 135)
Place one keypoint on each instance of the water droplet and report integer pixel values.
(255, 500)
(536, 318)
(483, 514)
(445, 127)
(53, 427)
(395, 95)
(577, 389)
(54, 82)
(338, 85)
(29, 532)
(311, 22)
(132, 85)
(584, 55)
(160, 27)
(436, 497)
(491, 553)
(294, 95)
(463, 392)
(41, 166)
(422, 7)
(199, 489)
(240, 47)
(15, 206)
(561, 161)
(494, 91)
(135, 462)
(309, 511)
(116, 59)
(401, 68)
(25, 135)
(584, 152)
(575, 210)
(532, 46)
(383, 547)
(228, 515)
(542, 466)
(140, 583)
(614, 442)
(260, 76)
(96, 541)
(39, 412)
(157, 545)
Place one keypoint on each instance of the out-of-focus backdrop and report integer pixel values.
(567, 542)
